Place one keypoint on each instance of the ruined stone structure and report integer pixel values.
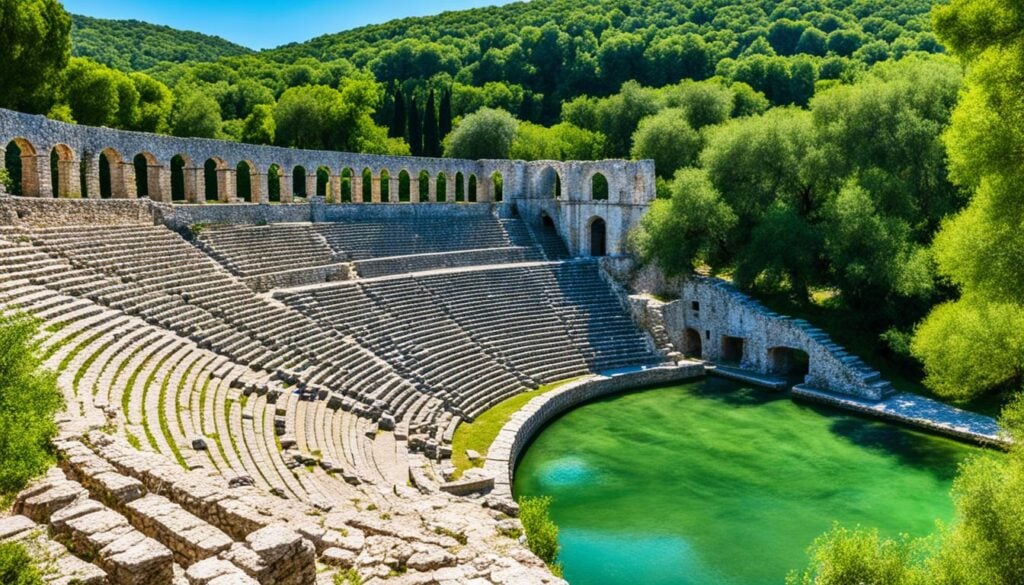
(590, 205)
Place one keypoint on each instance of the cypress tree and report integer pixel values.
(445, 124)
(415, 129)
(397, 128)
(431, 140)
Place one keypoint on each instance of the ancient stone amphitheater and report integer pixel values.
(267, 392)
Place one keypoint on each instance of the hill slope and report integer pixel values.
(131, 45)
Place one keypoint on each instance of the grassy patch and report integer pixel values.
(16, 565)
(479, 434)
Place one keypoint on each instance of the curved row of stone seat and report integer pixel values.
(422, 262)
(158, 275)
(173, 394)
(400, 321)
(256, 250)
(364, 239)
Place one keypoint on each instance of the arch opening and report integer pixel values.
(147, 176)
(424, 186)
(404, 186)
(599, 187)
(692, 344)
(215, 180)
(367, 185)
(20, 162)
(471, 189)
(274, 183)
(346, 185)
(243, 181)
(498, 184)
(299, 182)
(178, 193)
(789, 362)
(323, 183)
(441, 187)
(63, 171)
(112, 183)
(598, 237)
(460, 187)
(385, 186)
(549, 184)
(731, 350)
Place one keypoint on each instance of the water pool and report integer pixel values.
(714, 483)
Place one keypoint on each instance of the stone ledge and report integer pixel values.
(527, 421)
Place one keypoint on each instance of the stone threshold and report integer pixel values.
(916, 411)
(746, 376)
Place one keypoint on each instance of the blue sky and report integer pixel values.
(260, 24)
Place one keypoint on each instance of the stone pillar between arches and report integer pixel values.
(375, 189)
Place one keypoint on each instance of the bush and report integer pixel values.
(16, 566)
(541, 532)
(5, 180)
(29, 399)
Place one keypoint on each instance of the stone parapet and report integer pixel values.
(517, 433)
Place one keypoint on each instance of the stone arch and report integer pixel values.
(498, 185)
(112, 174)
(460, 186)
(347, 192)
(217, 180)
(692, 343)
(323, 183)
(549, 184)
(441, 186)
(21, 162)
(471, 195)
(404, 186)
(274, 183)
(424, 187)
(384, 186)
(790, 362)
(147, 176)
(298, 182)
(599, 187)
(597, 229)
(65, 172)
(180, 191)
(244, 172)
(367, 185)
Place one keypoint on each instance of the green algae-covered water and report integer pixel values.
(713, 483)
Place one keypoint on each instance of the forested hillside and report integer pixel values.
(130, 45)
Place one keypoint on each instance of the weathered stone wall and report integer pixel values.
(530, 419)
(563, 191)
(23, 211)
(529, 186)
(712, 320)
(181, 216)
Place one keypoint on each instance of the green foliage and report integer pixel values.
(983, 546)
(35, 46)
(981, 249)
(541, 532)
(348, 577)
(195, 114)
(5, 180)
(16, 567)
(259, 127)
(559, 142)
(483, 134)
(687, 230)
(668, 139)
(130, 45)
(29, 400)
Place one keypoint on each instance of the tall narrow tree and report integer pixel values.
(431, 140)
(415, 129)
(397, 128)
(445, 115)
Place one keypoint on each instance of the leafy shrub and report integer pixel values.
(29, 399)
(5, 180)
(541, 532)
(16, 566)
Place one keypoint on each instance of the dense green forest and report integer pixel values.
(131, 45)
